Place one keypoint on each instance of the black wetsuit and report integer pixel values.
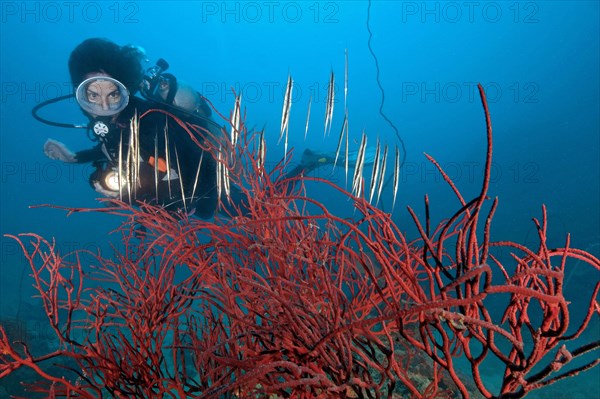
(158, 183)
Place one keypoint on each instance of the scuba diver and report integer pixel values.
(173, 165)
(106, 78)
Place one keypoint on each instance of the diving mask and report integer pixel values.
(102, 96)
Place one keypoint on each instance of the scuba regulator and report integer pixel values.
(152, 79)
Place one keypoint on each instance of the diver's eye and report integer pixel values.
(93, 96)
(114, 97)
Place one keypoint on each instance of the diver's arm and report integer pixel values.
(90, 155)
(58, 151)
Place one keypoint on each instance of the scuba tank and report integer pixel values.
(166, 89)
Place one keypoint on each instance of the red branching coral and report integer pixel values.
(278, 301)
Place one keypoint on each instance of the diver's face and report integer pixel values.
(104, 94)
(99, 95)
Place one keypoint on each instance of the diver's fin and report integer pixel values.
(325, 158)
(369, 157)
(313, 159)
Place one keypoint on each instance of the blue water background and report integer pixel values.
(538, 61)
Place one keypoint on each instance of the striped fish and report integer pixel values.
(346, 79)
(339, 144)
(329, 104)
(307, 117)
(382, 173)
(396, 175)
(357, 179)
(262, 152)
(120, 166)
(197, 176)
(180, 180)
(168, 161)
(235, 120)
(285, 113)
(375, 172)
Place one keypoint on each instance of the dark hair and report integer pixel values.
(123, 63)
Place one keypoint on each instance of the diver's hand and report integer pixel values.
(57, 150)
